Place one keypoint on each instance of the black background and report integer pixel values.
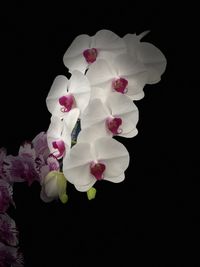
(147, 218)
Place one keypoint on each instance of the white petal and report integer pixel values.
(125, 65)
(137, 96)
(95, 112)
(84, 188)
(76, 63)
(77, 47)
(71, 118)
(90, 134)
(100, 93)
(73, 57)
(129, 122)
(55, 127)
(123, 107)
(117, 179)
(100, 72)
(113, 154)
(58, 131)
(132, 42)
(154, 59)
(80, 175)
(78, 83)
(131, 134)
(80, 155)
(107, 40)
(120, 104)
(136, 84)
(58, 89)
(80, 88)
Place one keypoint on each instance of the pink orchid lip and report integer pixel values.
(113, 124)
(60, 146)
(90, 55)
(97, 169)
(66, 102)
(120, 85)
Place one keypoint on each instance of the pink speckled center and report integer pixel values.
(90, 55)
(97, 170)
(113, 125)
(66, 102)
(120, 85)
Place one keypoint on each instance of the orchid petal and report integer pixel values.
(76, 164)
(27, 150)
(85, 188)
(73, 58)
(40, 145)
(117, 179)
(114, 154)
(153, 59)
(125, 65)
(90, 134)
(100, 72)
(108, 40)
(58, 89)
(136, 84)
(95, 112)
(77, 47)
(79, 86)
(54, 134)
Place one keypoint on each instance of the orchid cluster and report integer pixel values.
(95, 104)
(89, 108)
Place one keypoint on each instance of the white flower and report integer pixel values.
(85, 49)
(118, 115)
(59, 133)
(54, 186)
(103, 159)
(67, 94)
(147, 54)
(121, 75)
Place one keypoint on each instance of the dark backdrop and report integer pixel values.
(147, 218)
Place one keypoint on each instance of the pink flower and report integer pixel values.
(31, 161)
(40, 145)
(21, 168)
(5, 195)
(10, 256)
(8, 232)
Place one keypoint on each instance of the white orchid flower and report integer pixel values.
(67, 94)
(121, 75)
(59, 133)
(147, 54)
(117, 115)
(85, 49)
(103, 159)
